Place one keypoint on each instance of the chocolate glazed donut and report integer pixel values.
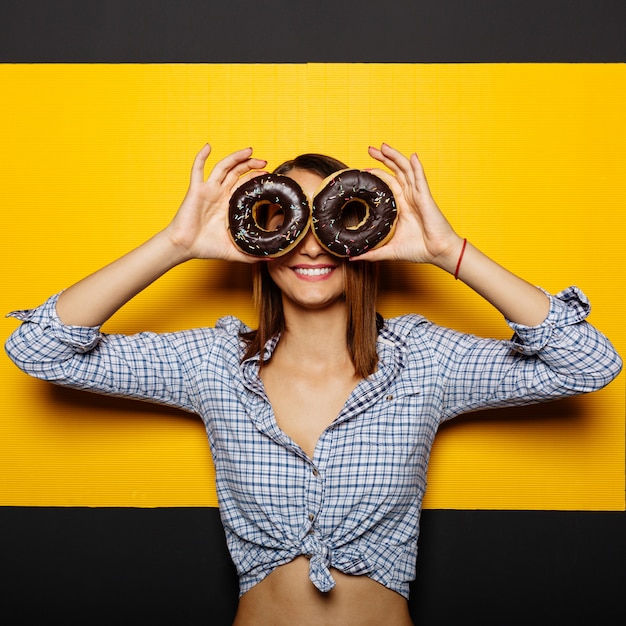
(257, 195)
(353, 212)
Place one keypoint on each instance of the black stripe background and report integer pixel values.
(170, 566)
(283, 31)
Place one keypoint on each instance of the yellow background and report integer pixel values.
(527, 161)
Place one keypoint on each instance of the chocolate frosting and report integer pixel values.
(248, 235)
(380, 214)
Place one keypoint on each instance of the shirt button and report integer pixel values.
(389, 397)
(315, 472)
(311, 517)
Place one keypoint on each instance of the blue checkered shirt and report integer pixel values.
(355, 506)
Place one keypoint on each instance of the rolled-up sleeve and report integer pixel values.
(564, 355)
(145, 366)
(568, 344)
(45, 338)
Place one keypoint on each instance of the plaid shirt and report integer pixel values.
(356, 504)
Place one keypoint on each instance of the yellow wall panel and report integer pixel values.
(527, 161)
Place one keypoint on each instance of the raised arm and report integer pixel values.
(198, 231)
(424, 235)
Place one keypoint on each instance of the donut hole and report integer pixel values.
(269, 216)
(354, 213)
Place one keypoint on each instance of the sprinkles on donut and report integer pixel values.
(248, 229)
(353, 212)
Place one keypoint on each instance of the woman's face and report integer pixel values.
(309, 276)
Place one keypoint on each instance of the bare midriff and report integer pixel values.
(287, 597)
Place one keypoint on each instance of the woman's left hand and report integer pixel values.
(422, 234)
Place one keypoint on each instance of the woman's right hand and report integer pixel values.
(199, 229)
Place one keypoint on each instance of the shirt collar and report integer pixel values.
(390, 346)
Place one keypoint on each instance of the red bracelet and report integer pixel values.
(458, 265)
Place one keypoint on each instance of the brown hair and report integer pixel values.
(360, 289)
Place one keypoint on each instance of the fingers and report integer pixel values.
(249, 176)
(379, 254)
(390, 179)
(247, 169)
(197, 169)
(228, 170)
(418, 172)
(409, 172)
(395, 161)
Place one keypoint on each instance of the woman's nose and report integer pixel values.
(311, 246)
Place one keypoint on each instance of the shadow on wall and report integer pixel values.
(82, 403)
(571, 409)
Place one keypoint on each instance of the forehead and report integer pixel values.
(309, 181)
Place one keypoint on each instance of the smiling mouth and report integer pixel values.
(313, 271)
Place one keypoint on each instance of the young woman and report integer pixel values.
(320, 421)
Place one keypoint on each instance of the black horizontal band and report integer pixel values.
(328, 31)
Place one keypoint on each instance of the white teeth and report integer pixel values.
(313, 271)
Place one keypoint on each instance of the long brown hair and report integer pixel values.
(360, 288)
